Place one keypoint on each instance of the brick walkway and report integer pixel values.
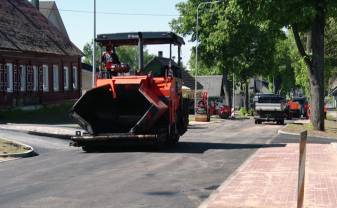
(269, 179)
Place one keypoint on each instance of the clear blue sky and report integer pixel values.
(80, 24)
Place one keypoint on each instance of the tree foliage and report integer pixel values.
(248, 30)
(227, 37)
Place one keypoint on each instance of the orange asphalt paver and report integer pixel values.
(269, 179)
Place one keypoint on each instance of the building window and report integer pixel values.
(23, 78)
(75, 78)
(9, 69)
(36, 79)
(56, 78)
(66, 78)
(45, 78)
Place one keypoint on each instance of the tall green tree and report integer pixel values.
(303, 16)
(229, 40)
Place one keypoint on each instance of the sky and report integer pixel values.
(120, 16)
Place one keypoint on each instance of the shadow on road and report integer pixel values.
(183, 147)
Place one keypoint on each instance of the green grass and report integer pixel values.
(330, 129)
(49, 114)
(7, 147)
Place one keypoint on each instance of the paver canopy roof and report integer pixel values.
(24, 28)
(149, 38)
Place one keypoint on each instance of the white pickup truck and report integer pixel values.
(269, 107)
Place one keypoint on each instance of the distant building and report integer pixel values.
(161, 63)
(86, 78)
(38, 62)
(216, 89)
(213, 85)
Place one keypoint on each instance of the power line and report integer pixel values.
(113, 13)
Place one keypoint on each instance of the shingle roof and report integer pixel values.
(50, 11)
(189, 81)
(24, 28)
(212, 84)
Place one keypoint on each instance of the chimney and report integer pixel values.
(160, 54)
(36, 4)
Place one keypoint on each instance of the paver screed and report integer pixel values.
(269, 179)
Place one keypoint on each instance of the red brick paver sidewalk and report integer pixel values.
(269, 179)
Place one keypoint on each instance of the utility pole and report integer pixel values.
(94, 50)
(196, 52)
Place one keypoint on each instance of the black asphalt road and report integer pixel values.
(179, 177)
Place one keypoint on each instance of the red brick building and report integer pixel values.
(38, 63)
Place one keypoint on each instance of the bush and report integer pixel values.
(246, 112)
(243, 112)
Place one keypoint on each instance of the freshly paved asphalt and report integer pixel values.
(182, 176)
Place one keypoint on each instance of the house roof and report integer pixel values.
(212, 84)
(165, 62)
(23, 28)
(50, 11)
(333, 92)
(189, 81)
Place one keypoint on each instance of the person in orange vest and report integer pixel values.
(109, 59)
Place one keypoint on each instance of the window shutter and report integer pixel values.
(2, 78)
(40, 78)
(30, 78)
(5, 77)
(16, 79)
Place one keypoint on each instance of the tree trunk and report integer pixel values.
(247, 95)
(226, 87)
(316, 72)
(315, 65)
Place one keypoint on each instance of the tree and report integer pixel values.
(302, 16)
(282, 73)
(228, 38)
(87, 53)
(331, 52)
(126, 54)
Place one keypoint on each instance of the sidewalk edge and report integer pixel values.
(28, 153)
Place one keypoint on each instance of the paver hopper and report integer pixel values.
(144, 107)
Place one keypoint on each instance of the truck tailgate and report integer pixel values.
(269, 107)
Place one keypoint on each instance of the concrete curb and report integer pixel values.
(282, 132)
(29, 153)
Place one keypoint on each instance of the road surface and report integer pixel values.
(179, 177)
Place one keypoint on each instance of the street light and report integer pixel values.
(196, 53)
(94, 50)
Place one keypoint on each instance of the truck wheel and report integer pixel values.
(282, 122)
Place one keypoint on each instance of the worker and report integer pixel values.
(109, 59)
